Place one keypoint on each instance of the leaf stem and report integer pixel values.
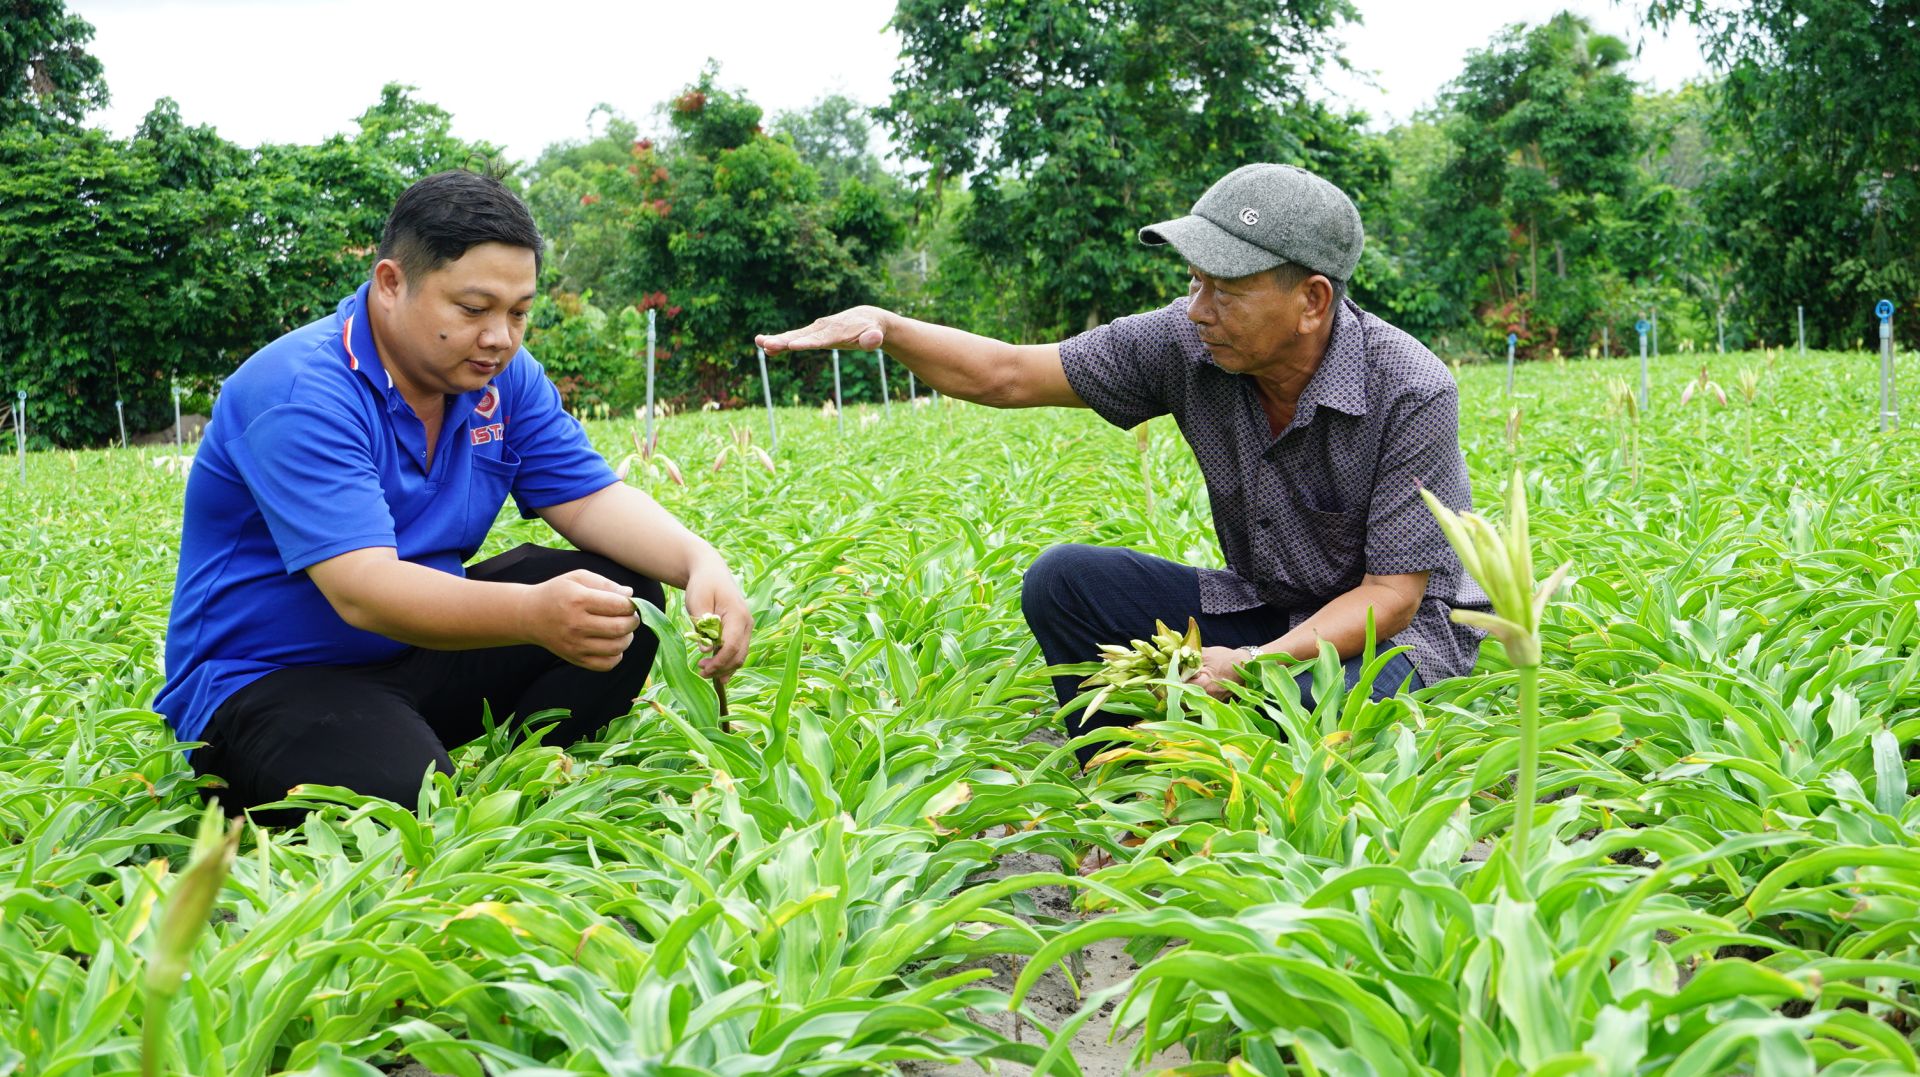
(1526, 797)
(151, 1026)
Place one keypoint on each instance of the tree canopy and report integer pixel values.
(174, 254)
(1538, 169)
(1074, 124)
(48, 79)
(1544, 193)
(718, 226)
(1816, 194)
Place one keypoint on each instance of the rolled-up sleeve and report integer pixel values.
(1421, 451)
(1124, 370)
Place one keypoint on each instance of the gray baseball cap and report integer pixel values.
(1258, 216)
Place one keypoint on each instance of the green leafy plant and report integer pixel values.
(1501, 560)
(181, 924)
(878, 865)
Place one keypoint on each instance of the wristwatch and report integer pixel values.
(1252, 652)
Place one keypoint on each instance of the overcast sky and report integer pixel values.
(524, 75)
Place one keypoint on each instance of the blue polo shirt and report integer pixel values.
(311, 452)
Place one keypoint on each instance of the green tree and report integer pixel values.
(1074, 124)
(47, 77)
(1401, 275)
(575, 340)
(833, 136)
(1542, 164)
(175, 254)
(588, 245)
(85, 230)
(1818, 199)
(720, 227)
(1665, 237)
(416, 137)
(611, 148)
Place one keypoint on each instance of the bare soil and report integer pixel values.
(1053, 998)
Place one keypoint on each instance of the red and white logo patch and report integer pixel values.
(489, 403)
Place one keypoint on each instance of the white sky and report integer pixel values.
(524, 75)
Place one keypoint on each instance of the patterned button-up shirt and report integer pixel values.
(1302, 517)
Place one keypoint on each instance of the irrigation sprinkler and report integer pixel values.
(646, 437)
(176, 419)
(886, 401)
(20, 430)
(839, 408)
(912, 389)
(766, 387)
(1720, 325)
(1512, 339)
(1889, 394)
(1656, 332)
(1802, 311)
(120, 412)
(1606, 346)
(1641, 325)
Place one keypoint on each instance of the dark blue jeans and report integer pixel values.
(1077, 597)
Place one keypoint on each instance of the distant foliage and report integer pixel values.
(48, 80)
(1541, 128)
(175, 254)
(1545, 194)
(1074, 124)
(723, 230)
(1816, 196)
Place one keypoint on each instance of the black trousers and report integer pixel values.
(377, 729)
(1077, 597)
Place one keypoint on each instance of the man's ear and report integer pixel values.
(389, 280)
(1317, 308)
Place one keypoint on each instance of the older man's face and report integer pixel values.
(1252, 325)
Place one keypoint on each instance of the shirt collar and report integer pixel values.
(1341, 381)
(356, 338)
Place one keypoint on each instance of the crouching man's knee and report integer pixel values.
(1047, 587)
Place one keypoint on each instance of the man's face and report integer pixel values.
(1250, 324)
(453, 330)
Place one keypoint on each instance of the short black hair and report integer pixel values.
(440, 217)
(1290, 275)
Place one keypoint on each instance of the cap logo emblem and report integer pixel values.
(1249, 217)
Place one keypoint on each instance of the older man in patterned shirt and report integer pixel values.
(1316, 426)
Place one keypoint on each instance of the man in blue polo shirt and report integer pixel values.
(326, 628)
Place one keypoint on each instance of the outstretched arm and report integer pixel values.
(953, 361)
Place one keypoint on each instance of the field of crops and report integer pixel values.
(886, 865)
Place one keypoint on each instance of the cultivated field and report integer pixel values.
(890, 850)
